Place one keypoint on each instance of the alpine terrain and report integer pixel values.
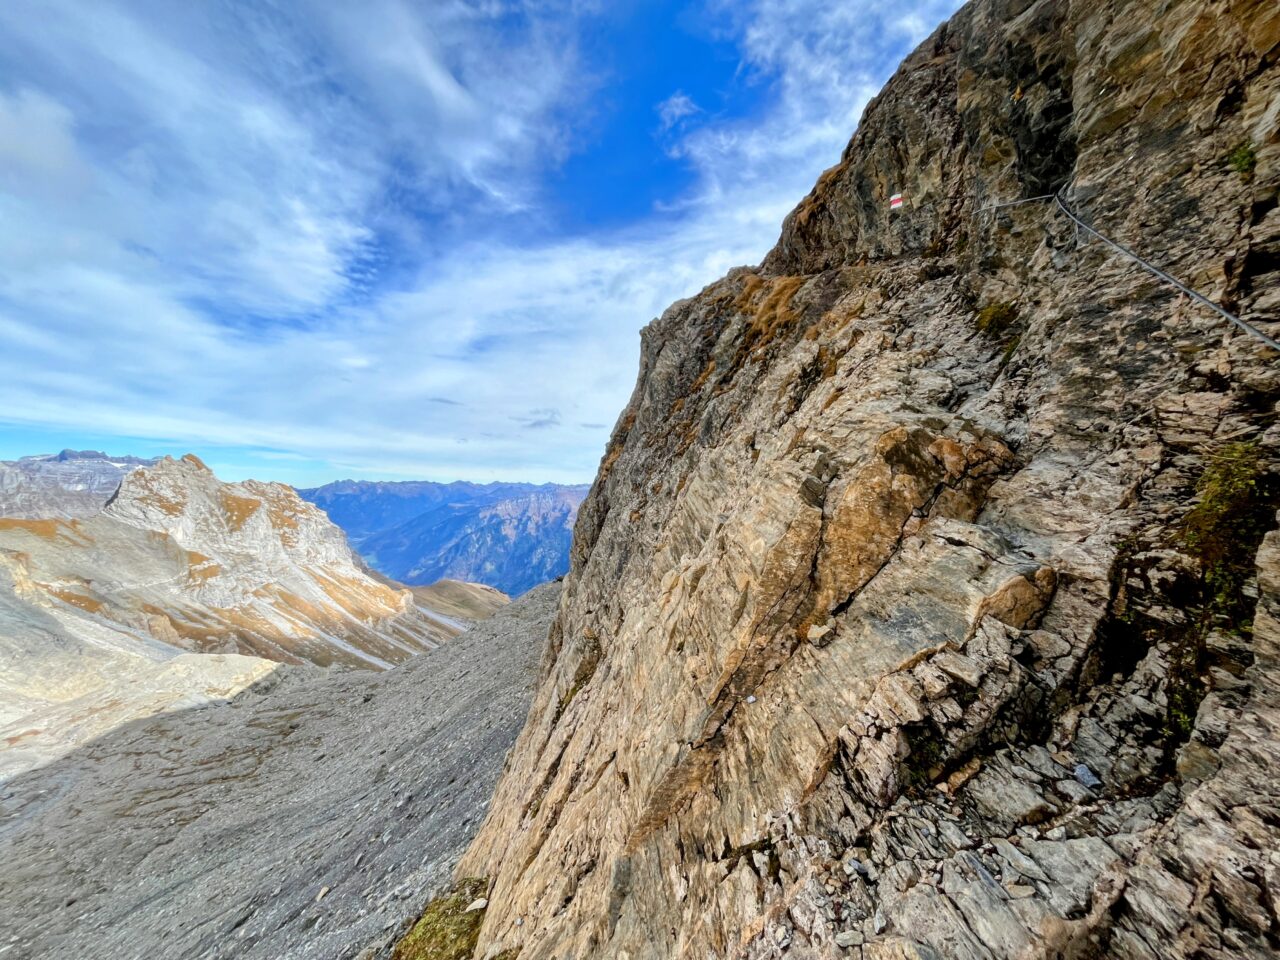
(183, 588)
(73, 483)
(511, 536)
(309, 816)
(925, 606)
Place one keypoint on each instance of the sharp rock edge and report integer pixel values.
(918, 609)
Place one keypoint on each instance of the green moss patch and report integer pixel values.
(1010, 348)
(445, 931)
(1223, 531)
(996, 319)
(1243, 160)
(1236, 509)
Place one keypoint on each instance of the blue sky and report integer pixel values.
(313, 240)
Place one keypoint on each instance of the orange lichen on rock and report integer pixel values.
(237, 509)
(45, 529)
(86, 603)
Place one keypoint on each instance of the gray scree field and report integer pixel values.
(311, 819)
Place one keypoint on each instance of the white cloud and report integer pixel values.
(258, 160)
(37, 147)
(825, 61)
(163, 184)
(675, 108)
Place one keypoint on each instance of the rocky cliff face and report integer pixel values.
(115, 616)
(73, 483)
(914, 611)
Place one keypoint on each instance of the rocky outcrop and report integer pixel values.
(62, 486)
(912, 613)
(116, 616)
(308, 818)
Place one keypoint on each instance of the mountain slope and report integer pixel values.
(466, 601)
(102, 616)
(307, 818)
(914, 612)
(73, 483)
(510, 536)
(513, 543)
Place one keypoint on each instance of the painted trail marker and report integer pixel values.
(895, 202)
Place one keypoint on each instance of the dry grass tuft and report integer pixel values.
(768, 302)
(200, 567)
(87, 604)
(237, 509)
(704, 376)
(817, 197)
(44, 529)
(614, 451)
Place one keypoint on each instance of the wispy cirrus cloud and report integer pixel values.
(268, 158)
(319, 231)
(675, 108)
(539, 419)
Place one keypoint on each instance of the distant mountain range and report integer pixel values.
(511, 536)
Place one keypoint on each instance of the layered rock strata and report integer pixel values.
(65, 486)
(915, 611)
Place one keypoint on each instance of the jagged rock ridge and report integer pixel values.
(913, 612)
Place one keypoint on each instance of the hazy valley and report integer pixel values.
(509, 536)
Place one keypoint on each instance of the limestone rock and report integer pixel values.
(62, 486)
(310, 817)
(181, 590)
(976, 445)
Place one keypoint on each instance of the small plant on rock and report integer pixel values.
(1222, 531)
(996, 319)
(1243, 160)
(446, 930)
(1236, 508)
